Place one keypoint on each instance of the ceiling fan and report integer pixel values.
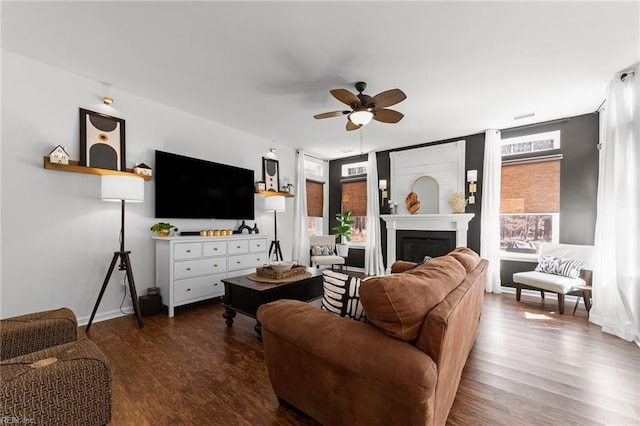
(364, 108)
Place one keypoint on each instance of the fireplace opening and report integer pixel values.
(415, 245)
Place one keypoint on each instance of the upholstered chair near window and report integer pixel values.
(323, 251)
(561, 269)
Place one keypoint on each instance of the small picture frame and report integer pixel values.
(102, 143)
(271, 174)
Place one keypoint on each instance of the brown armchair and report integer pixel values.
(48, 376)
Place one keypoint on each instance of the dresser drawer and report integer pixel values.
(187, 251)
(194, 268)
(238, 247)
(214, 248)
(258, 245)
(199, 287)
(245, 261)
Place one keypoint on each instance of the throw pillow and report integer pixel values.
(341, 295)
(321, 250)
(556, 265)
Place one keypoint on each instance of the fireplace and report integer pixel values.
(415, 245)
(454, 226)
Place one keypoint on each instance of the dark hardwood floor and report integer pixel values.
(529, 366)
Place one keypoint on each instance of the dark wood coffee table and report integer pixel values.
(245, 296)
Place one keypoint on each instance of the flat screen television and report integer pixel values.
(190, 188)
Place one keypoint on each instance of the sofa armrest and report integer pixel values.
(351, 347)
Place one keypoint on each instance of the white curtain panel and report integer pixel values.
(300, 239)
(616, 274)
(490, 219)
(373, 264)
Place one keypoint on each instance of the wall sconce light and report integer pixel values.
(472, 178)
(382, 184)
(107, 100)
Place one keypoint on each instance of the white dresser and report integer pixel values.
(190, 269)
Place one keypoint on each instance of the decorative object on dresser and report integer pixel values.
(275, 203)
(122, 189)
(163, 229)
(102, 141)
(271, 174)
(190, 269)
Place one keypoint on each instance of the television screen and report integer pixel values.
(190, 188)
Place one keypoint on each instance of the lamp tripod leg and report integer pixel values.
(126, 262)
(132, 287)
(104, 287)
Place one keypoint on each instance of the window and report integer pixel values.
(530, 195)
(314, 171)
(354, 198)
(315, 206)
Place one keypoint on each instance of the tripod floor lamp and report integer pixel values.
(122, 189)
(275, 203)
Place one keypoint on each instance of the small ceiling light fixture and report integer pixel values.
(523, 116)
(361, 117)
(271, 154)
(107, 100)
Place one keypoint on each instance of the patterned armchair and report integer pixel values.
(49, 377)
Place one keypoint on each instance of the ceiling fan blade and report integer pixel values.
(387, 116)
(331, 114)
(386, 98)
(351, 126)
(345, 96)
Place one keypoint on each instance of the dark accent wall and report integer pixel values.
(578, 182)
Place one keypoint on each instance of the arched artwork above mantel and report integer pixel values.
(424, 169)
(427, 191)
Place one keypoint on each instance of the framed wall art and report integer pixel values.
(271, 174)
(102, 142)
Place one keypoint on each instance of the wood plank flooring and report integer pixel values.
(529, 366)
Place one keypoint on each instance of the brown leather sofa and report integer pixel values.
(403, 367)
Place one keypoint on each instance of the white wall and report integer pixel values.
(57, 236)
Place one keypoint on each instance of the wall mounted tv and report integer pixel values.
(189, 188)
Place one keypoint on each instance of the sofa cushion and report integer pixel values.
(341, 295)
(467, 257)
(398, 303)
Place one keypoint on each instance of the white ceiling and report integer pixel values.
(267, 67)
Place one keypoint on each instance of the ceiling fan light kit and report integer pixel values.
(361, 118)
(365, 108)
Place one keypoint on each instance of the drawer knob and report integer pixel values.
(188, 289)
(215, 265)
(188, 250)
(238, 262)
(237, 246)
(188, 269)
(215, 284)
(215, 249)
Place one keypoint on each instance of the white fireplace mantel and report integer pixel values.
(425, 222)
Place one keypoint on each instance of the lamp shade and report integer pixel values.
(122, 188)
(274, 203)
